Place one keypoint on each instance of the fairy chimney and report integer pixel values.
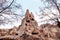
(29, 18)
(30, 24)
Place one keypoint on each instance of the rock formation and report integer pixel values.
(29, 30)
(28, 26)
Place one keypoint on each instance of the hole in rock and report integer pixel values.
(28, 21)
(34, 33)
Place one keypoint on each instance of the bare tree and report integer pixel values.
(7, 13)
(54, 4)
(7, 7)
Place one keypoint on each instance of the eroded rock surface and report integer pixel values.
(29, 30)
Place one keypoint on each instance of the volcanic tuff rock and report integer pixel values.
(29, 30)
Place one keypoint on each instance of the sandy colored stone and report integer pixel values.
(29, 30)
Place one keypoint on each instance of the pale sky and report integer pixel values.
(32, 5)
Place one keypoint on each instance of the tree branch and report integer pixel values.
(7, 7)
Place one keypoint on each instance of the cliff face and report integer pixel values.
(29, 30)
